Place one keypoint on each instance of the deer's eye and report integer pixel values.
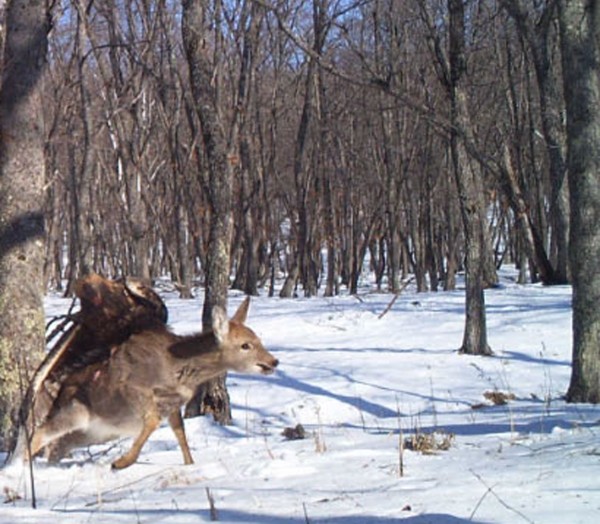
(246, 346)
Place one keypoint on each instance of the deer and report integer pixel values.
(145, 379)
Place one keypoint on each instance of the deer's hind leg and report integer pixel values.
(72, 417)
(151, 423)
(176, 422)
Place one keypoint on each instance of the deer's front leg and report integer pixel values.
(178, 428)
(151, 423)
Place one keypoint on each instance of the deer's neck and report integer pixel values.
(197, 359)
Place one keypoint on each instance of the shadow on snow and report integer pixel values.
(225, 515)
(521, 416)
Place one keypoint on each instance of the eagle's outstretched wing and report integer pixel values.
(110, 312)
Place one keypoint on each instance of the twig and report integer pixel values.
(214, 515)
(490, 490)
(127, 485)
(400, 442)
(27, 439)
(306, 519)
(395, 297)
(269, 452)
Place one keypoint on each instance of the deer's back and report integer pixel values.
(144, 359)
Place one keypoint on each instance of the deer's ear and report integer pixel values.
(220, 323)
(242, 312)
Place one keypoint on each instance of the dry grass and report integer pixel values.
(10, 495)
(429, 443)
(497, 398)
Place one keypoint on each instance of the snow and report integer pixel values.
(361, 385)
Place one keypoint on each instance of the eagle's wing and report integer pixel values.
(110, 312)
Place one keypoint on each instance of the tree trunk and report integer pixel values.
(451, 71)
(580, 44)
(530, 236)
(536, 34)
(251, 20)
(22, 172)
(475, 334)
(81, 174)
(211, 397)
(183, 253)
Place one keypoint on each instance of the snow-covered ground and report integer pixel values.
(361, 385)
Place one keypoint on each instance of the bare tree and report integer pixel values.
(22, 177)
(535, 28)
(580, 45)
(304, 209)
(451, 69)
(249, 217)
(330, 129)
(469, 188)
(213, 396)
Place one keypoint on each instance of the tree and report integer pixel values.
(335, 130)
(452, 70)
(305, 259)
(536, 34)
(22, 177)
(580, 46)
(469, 188)
(211, 397)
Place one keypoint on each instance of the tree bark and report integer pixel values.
(248, 273)
(81, 175)
(211, 397)
(532, 241)
(22, 176)
(304, 174)
(469, 189)
(536, 34)
(580, 44)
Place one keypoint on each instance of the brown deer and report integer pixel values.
(145, 379)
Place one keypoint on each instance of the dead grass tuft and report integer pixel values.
(429, 443)
(499, 398)
(10, 495)
(295, 433)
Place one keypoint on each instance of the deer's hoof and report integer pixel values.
(121, 463)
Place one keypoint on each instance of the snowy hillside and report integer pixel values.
(366, 389)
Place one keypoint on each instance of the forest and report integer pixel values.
(337, 150)
(300, 149)
(336, 117)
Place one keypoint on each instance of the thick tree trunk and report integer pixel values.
(451, 70)
(212, 397)
(475, 334)
(580, 45)
(22, 172)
